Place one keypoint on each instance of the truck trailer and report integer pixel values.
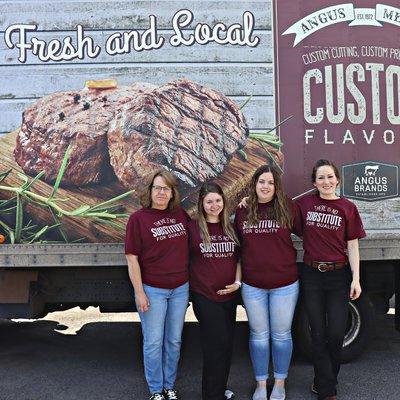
(94, 95)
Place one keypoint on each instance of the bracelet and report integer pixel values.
(238, 283)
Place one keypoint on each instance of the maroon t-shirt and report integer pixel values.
(327, 226)
(268, 257)
(213, 265)
(159, 239)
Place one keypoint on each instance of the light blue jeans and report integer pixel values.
(270, 314)
(162, 328)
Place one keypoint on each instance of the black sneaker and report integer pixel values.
(170, 394)
(314, 388)
(157, 396)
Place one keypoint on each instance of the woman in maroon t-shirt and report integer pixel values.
(156, 247)
(214, 279)
(330, 274)
(270, 281)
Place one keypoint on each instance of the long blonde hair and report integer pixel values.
(224, 217)
(280, 209)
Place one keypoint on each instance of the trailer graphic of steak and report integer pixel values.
(185, 127)
(119, 135)
(182, 126)
(80, 118)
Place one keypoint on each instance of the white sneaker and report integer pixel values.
(229, 394)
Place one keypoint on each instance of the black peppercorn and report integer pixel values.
(86, 106)
(77, 97)
(61, 116)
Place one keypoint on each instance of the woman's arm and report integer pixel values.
(235, 285)
(142, 302)
(354, 260)
(238, 277)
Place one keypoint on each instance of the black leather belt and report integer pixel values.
(325, 266)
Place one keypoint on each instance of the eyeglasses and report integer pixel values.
(159, 189)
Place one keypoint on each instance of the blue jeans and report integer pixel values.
(270, 314)
(162, 328)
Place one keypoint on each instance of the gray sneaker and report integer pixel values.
(278, 393)
(260, 393)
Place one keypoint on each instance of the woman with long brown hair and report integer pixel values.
(214, 279)
(156, 248)
(270, 280)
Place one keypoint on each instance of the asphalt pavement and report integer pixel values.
(103, 361)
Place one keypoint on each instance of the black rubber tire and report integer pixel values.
(360, 329)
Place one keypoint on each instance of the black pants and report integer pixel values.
(326, 296)
(217, 323)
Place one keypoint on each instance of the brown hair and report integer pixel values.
(224, 217)
(280, 209)
(322, 163)
(170, 180)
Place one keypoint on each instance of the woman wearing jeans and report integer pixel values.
(330, 275)
(156, 247)
(270, 281)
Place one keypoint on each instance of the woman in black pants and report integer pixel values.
(330, 275)
(214, 279)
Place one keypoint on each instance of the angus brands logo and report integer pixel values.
(370, 181)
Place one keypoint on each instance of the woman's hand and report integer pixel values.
(142, 302)
(355, 289)
(243, 203)
(229, 289)
(354, 260)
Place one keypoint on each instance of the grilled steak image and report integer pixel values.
(185, 127)
(128, 131)
(80, 118)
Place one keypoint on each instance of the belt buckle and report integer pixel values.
(322, 267)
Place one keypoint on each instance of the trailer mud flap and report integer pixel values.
(14, 286)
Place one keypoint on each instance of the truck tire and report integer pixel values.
(360, 328)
